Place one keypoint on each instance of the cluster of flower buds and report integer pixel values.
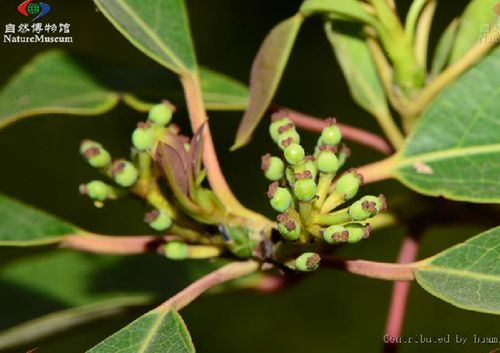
(307, 190)
(126, 174)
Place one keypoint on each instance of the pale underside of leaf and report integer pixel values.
(357, 65)
(466, 275)
(266, 73)
(159, 29)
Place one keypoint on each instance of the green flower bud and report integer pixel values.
(366, 207)
(357, 232)
(287, 137)
(158, 220)
(161, 114)
(307, 262)
(331, 135)
(280, 198)
(143, 136)
(304, 189)
(311, 166)
(294, 153)
(327, 162)
(336, 234)
(176, 250)
(273, 167)
(288, 227)
(275, 126)
(95, 154)
(348, 184)
(96, 190)
(124, 173)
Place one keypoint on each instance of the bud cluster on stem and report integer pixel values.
(306, 190)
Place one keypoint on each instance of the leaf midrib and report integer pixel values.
(461, 273)
(448, 153)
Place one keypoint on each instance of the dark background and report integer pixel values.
(328, 311)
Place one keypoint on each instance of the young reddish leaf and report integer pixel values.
(266, 73)
(195, 152)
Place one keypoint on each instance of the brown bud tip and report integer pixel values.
(174, 128)
(151, 216)
(330, 121)
(118, 167)
(368, 230)
(369, 206)
(340, 237)
(83, 189)
(282, 218)
(279, 114)
(313, 260)
(287, 141)
(345, 150)
(332, 149)
(286, 127)
(272, 189)
(309, 158)
(290, 224)
(91, 152)
(306, 174)
(383, 203)
(266, 160)
(358, 175)
(143, 125)
(170, 105)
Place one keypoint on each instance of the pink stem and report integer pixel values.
(400, 291)
(352, 133)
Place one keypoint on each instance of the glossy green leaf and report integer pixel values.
(53, 83)
(61, 321)
(354, 57)
(266, 73)
(443, 48)
(455, 149)
(466, 275)
(478, 15)
(158, 331)
(160, 29)
(346, 8)
(23, 225)
(221, 92)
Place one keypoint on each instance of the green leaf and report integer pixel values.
(455, 149)
(355, 59)
(158, 331)
(221, 92)
(61, 321)
(160, 29)
(266, 73)
(350, 9)
(52, 83)
(55, 82)
(443, 48)
(23, 225)
(478, 13)
(466, 275)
